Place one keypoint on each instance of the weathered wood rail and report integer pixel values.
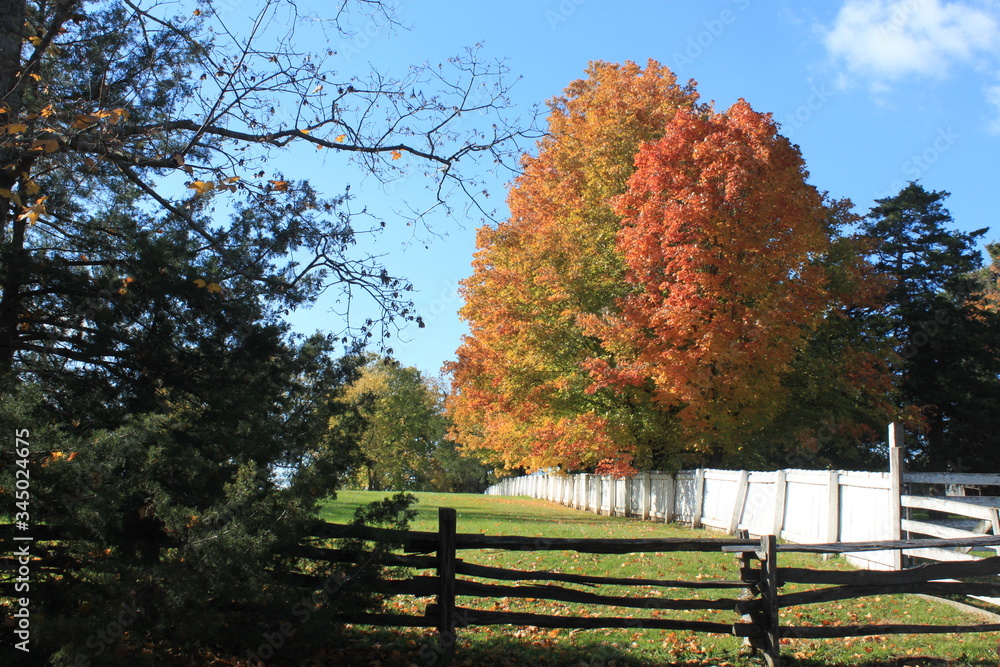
(755, 597)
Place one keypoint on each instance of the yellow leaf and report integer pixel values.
(196, 12)
(32, 188)
(233, 179)
(396, 155)
(340, 138)
(13, 196)
(214, 288)
(35, 41)
(201, 187)
(45, 145)
(34, 76)
(32, 213)
(13, 128)
(199, 282)
(47, 111)
(304, 131)
(279, 186)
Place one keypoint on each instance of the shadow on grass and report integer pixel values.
(370, 646)
(389, 648)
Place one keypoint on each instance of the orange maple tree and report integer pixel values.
(721, 234)
(661, 275)
(519, 386)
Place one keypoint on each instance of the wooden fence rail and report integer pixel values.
(755, 597)
(758, 603)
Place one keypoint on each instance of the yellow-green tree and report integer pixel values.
(403, 419)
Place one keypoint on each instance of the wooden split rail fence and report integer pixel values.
(755, 598)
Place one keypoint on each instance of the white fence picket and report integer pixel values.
(805, 498)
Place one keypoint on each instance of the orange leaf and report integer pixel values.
(396, 155)
(84, 120)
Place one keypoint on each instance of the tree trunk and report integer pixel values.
(12, 17)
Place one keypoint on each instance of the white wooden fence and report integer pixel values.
(803, 506)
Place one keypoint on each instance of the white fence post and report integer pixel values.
(833, 507)
(699, 497)
(780, 493)
(896, 489)
(741, 498)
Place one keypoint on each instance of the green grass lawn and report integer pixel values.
(507, 645)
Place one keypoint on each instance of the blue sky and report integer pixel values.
(875, 93)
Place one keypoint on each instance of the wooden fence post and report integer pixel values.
(626, 483)
(769, 595)
(896, 490)
(645, 494)
(669, 497)
(447, 529)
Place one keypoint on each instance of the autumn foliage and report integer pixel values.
(720, 233)
(520, 382)
(664, 269)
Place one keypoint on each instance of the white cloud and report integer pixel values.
(889, 40)
(993, 99)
